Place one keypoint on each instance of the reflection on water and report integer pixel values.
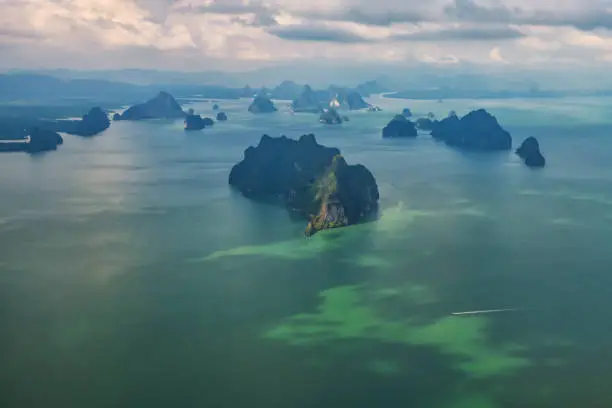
(130, 275)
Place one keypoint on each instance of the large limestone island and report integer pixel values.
(262, 104)
(307, 178)
(37, 141)
(529, 151)
(92, 123)
(478, 130)
(399, 127)
(163, 106)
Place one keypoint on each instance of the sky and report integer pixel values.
(235, 35)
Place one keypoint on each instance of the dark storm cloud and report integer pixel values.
(463, 34)
(590, 17)
(316, 33)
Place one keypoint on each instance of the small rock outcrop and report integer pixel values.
(92, 123)
(163, 106)
(307, 102)
(38, 140)
(330, 117)
(262, 104)
(478, 130)
(307, 178)
(196, 122)
(221, 117)
(407, 113)
(215, 107)
(529, 151)
(399, 127)
(374, 108)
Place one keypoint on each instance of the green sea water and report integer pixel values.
(132, 276)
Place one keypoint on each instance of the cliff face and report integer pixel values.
(163, 106)
(307, 178)
(478, 130)
(529, 151)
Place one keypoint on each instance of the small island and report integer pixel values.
(262, 104)
(529, 151)
(221, 117)
(478, 130)
(197, 122)
(330, 117)
(92, 123)
(399, 127)
(163, 106)
(38, 140)
(309, 179)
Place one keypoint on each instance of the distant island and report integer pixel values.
(399, 126)
(37, 141)
(196, 122)
(262, 104)
(307, 178)
(331, 117)
(478, 130)
(307, 102)
(529, 151)
(162, 106)
(92, 123)
(221, 117)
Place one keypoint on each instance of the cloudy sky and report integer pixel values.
(242, 34)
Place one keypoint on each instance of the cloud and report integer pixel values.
(584, 15)
(316, 33)
(495, 55)
(463, 34)
(374, 18)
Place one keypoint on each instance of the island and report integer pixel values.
(215, 107)
(262, 104)
(163, 106)
(38, 140)
(92, 123)
(221, 117)
(407, 113)
(347, 99)
(529, 151)
(478, 130)
(330, 117)
(307, 102)
(287, 91)
(196, 122)
(309, 179)
(399, 127)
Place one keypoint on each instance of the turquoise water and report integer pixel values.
(131, 275)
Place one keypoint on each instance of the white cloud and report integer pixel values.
(208, 34)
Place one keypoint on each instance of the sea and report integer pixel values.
(132, 275)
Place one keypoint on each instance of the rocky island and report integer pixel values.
(221, 117)
(529, 151)
(262, 104)
(347, 99)
(312, 180)
(399, 127)
(163, 106)
(37, 141)
(92, 123)
(197, 122)
(330, 117)
(407, 113)
(478, 130)
(307, 102)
